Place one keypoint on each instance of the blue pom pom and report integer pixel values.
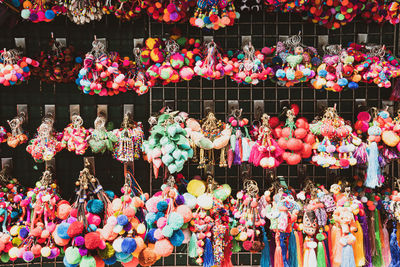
(16, 3)
(280, 73)
(66, 264)
(240, 56)
(121, 256)
(122, 220)
(150, 236)
(322, 73)
(315, 61)
(150, 218)
(62, 230)
(111, 260)
(162, 206)
(23, 232)
(206, 20)
(159, 215)
(14, 214)
(342, 82)
(95, 206)
(167, 231)
(177, 238)
(110, 194)
(128, 245)
(78, 60)
(25, 69)
(49, 14)
(353, 85)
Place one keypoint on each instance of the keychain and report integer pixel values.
(75, 136)
(17, 136)
(101, 140)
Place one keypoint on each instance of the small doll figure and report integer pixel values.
(17, 136)
(100, 139)
(75, 136)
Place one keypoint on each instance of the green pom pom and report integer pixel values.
(108, 252)
(248, 79)
(72, 255)
(88, 261)
(5, 258)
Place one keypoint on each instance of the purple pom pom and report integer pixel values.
(127, 227)
(33, 17)
(83, 251)
(79, 241)
(28, 256)
(180, 200)
(173, 16)
(71, 220)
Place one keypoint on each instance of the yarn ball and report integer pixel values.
(128, 245)
(177, 61)
(112, 221)
(152, 43)
(150, 236)
(5, 258)
(122, 220)
(72, 255)
(151, 204)
(79, 241)
(175, 220)
(58, 240)
(92, 240)
(162, 206)
(147, 257)
(62, 230)
(150, 218)
(63, 211)
(95, 206)
(45, 252)
(167, 231)
(25, 13)
(88, 261)
(108, 252)
(111, 260)
(186, 73)
(157, 55)
(23, 233)
(163, 248)
(133, 263)
(177, 238)
(110, 194)
(141, 229)
(74, 229)
(117, 244)
(36, 249)
(28, 256)
(185, 212)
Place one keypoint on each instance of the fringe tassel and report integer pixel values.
(208, 256)
(367, 251)
(373, 170)
(237, 159)
(348, 257)
(292, 249)
(310, 259)
(299, 241)
(193, 246)
(358, 246)
(377, 261)
(321, 259)
(227, 262)
(336, 252)
(394, 248)
(265, 261)
(278, 260)
(284, 249)
(387, 258)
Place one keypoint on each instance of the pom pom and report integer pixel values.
(23, 233)
(128, 245)
(122, 220)
(88, 261)
(163, 248)
(107, 252)
(49, 14)
(161, 222)
(72, 255)
(79, 241)
(185, 212)
(111, 260)
(28, 256)
(167, 231)
(150, 236)
(162, 206)
(94, 219)
(180, 200)
(177, 238)
(74, 229)
(92, 240)
(148, 257)
(62, 230)
(63, 211)
(150, 218)
(95, 206)
(175, 220)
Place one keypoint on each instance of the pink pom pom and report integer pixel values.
(28, 60)
(163, 248)
(158, 234)
(161, 222)
(185, 212)
(93, 219)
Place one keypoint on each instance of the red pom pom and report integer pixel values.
(295, 109)
(74, 213)
(92, 240)
(75, 229)
(273, 122)
(247, 245)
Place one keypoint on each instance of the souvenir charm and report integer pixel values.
(45, 145)
(3, 134)
(75, 136)
(168, 143)
(17, 136)
(39, 11)
(265, 152)
(14, 69)
(214, 15)
(209, 136)
(81, 12)
(101, 140)
(130, 139)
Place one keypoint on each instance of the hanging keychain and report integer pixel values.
(75, 136)
(17, 136)
(101, 140)
(207, 137)
(83, 11)
(40, 10)
(130, 138)
(14, 69)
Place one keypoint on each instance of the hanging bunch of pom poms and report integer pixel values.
(209, 136)
(42, 210)
(265, 152)
(293, 62)
(47, 143)
(40, 10)
(168, 143)
(338, 144)
(124, 10)
(17, 135)
(170, 11)
(287, 5)
(14, 69)
(101, 140)
(75, 136)
(128, 146)
(250, 69)
(79, 231)
(214, 14)
(100, 73)
(58, 64)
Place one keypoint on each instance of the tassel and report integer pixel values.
(245, 149)
(394, 248)
(373, 170)
(347, 256)
(326, 248)
(336, 252)
(233, 141)
(278, 260)
(193, 246)
(222, 159)
(387, 258)
(254, 154)
(284, 249)
(358, 246)
(366, 239)
(230, 157)
(208, 256)
(321, 257)
(265, 261)
(299, 243)
(292, 249)
(377, 260)
(237, 159)
(310, 259)
(235, 246)
(227, 262)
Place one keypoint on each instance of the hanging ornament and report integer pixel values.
(83, 11)
(168, 143)
(17, 136)
(39, 10)
(170, 11)
(130, 139)
(75, 136)
(14, 69)
(125, 10)
(209, 136)
(100, 139)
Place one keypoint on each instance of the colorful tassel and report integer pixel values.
(292, 249)
(367, 251)
(373, 170)
(377, 260)
(387, 258)
(208, 257)
(358, 246)
(321, 257)
(193, 246)
(310, 259)
(394, 248)
(347, 256)
(284, 249)
(299, 241)
(265, 262)
(278, 260)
